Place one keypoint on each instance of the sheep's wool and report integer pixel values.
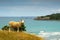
(14, 24)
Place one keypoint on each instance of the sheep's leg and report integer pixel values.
(9, 29)
(17, 29)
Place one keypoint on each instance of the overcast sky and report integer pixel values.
(28, 7)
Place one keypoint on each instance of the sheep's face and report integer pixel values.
(15, 24)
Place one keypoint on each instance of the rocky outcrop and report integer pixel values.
(42, 18)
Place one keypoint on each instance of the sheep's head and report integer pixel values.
(22, 21)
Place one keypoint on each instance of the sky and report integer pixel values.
(28, 7)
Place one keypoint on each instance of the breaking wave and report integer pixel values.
(49, 35)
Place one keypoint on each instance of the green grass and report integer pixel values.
(5, 35)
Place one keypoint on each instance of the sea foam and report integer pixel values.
(49, 35)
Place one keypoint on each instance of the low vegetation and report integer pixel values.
(55, 16)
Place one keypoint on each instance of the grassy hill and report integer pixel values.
(5, 35)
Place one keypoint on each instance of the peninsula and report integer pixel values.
(55, 16)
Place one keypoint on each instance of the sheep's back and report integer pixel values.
(15, 24)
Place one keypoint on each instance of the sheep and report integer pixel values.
(16, 24)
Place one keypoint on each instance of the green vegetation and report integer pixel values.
(5, 35)
(55, 16)
(5, 27)
(22, 28)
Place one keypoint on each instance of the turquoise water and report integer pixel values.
(34, 26)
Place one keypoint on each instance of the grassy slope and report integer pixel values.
(5, 35)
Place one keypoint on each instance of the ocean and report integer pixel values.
(34, 26)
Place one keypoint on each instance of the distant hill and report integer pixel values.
(55, 16)
(5, 35)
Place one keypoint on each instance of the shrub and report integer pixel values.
(22, 28)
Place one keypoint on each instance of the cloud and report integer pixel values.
(21, 8)
(26, 10)
(56, 11)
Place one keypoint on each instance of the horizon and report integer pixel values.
(18, 8)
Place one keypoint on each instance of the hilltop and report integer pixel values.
(5, 35)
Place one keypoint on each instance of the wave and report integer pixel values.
(49, 35)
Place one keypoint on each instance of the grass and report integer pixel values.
(5, 35)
